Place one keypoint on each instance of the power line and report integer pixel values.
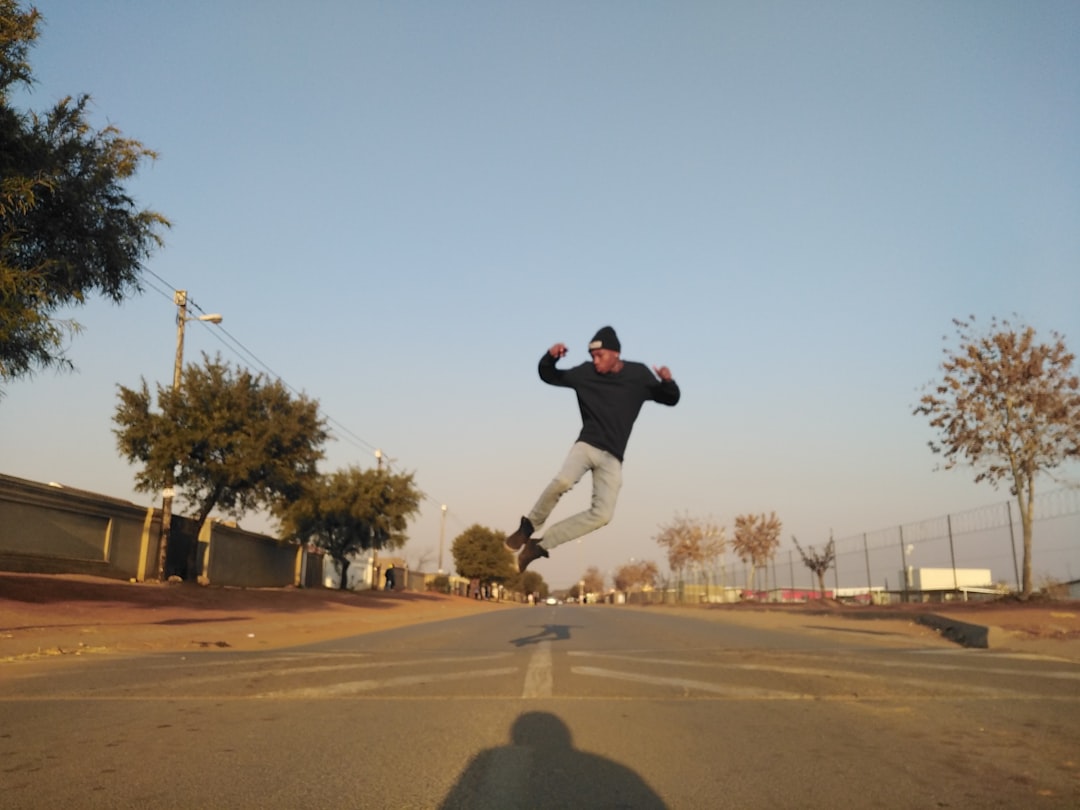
(169, 286)
(161, 292)
(234, 345)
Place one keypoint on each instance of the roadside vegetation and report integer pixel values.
(1007, 406)
(69, 229)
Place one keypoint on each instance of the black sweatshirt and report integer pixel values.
(609, 403)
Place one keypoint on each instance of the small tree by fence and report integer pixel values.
(818, 561)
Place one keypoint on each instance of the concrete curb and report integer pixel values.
(975, 636)
(966, 634)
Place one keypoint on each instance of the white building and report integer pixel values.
(948, 579)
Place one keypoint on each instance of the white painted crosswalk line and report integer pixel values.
(356, 687)
(689, 685)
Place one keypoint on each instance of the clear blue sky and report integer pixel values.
(398, 207)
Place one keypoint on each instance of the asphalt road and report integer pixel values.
(560, 707)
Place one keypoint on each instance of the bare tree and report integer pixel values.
(713, 545)
(636, 575)
(818, 561)
(1009, 407)
(422, 559)
(755, 541)
(691, 543)
(593, 579)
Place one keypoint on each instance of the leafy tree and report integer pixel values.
(479, 553)
(690, 543)
(755, 541)
(68, 229)
(352, 510)
(1008, 406)
(236, 441)
(530, 582)
(818, 561)
(635, 576)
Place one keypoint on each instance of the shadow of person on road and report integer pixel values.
(548, 632)
(540, 768)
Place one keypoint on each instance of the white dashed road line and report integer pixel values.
(538, 682)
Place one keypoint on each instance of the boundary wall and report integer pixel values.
(51, 529)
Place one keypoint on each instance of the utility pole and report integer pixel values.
(180, 299)
(374, 548)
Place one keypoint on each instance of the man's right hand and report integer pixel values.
(558, 350)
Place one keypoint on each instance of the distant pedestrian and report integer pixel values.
(391, 578)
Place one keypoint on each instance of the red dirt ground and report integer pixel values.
(42, 614)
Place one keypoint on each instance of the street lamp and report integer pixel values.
(442, 534)
(180, 299)
(374, 548)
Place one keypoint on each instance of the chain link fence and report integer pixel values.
(884, 565)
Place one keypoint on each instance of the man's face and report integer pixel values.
(604, 360)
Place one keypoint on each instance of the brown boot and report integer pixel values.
(531, 551)
(515, 541)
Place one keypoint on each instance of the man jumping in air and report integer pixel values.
(610, 392)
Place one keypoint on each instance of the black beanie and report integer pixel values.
(605, 339)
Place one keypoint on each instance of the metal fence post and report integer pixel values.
(1012, 539)
(903, 565)
(866, 554)
(952, 553)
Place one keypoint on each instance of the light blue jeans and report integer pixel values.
(607, 481)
